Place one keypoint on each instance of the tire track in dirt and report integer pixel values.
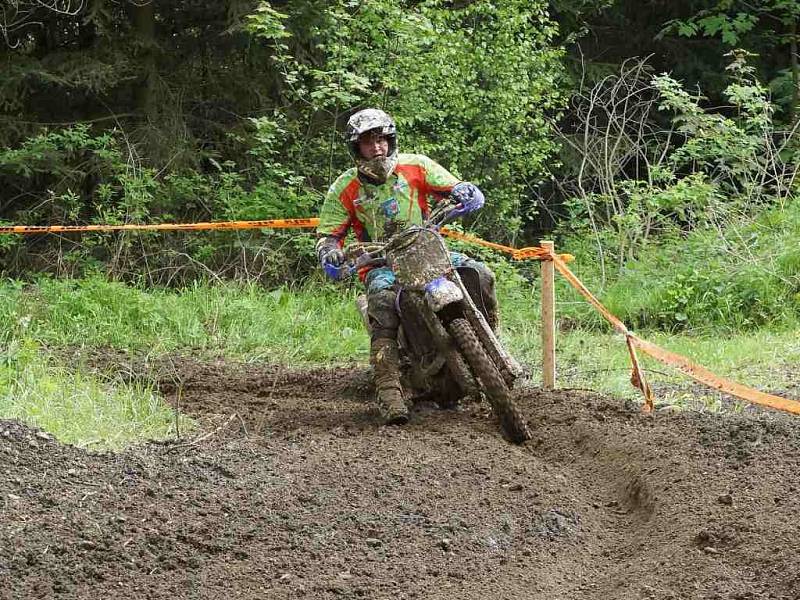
(693, 505)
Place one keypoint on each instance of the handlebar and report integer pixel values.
(361, 255)
(442, 214)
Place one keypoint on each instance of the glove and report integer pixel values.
(331, 257)
(333, 264)
(468, 199)
(334, 257)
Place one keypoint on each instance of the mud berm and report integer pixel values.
(292, 489)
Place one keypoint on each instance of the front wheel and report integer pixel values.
(492, 382)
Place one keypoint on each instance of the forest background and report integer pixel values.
(656, 141)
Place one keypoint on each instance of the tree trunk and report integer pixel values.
(144, 24)
(794, 109)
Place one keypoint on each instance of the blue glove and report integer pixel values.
(334, 272)
(468, 198)
(333, 263)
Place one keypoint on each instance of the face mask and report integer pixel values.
(378, 168)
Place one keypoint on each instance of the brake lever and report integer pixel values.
(442, 215)
(449, 217)
(437, 224)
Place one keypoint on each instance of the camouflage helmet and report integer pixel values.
(372, 120)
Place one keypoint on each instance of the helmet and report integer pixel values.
(372, 119)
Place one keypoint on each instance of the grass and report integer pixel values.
(742, 279)
(79, 407)
(595, 357)
(246, 322)
(599, 361)
(313, 325)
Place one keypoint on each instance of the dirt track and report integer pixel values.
(293, 490)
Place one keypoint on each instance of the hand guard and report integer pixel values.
(468, 199)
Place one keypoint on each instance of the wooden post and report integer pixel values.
(548, 320)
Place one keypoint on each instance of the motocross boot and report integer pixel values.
(385, 360)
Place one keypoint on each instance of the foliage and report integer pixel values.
(131, 112)
(760, 26)
(470, 86)
(63, 163)
(638, 182)
(738, 152)
(733, 20)
(602, 36)
(742, 277)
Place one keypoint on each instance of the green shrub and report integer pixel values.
(744, 276)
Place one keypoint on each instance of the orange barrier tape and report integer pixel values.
(534, 252)
(638, 379)
(270, 224)
(578, 285)
(703, 375)
(683, 364)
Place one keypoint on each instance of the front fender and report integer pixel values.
(441, 292)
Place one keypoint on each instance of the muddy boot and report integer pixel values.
(385, 359)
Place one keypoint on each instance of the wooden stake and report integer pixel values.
(548, 319)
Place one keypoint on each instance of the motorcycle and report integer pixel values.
(449, 351)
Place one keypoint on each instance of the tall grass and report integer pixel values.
(711, 280)
(316, 324)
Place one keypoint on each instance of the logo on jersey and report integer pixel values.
(390, 208)
(363, 198)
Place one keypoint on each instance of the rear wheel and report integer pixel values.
(494, 386)
(460, 374)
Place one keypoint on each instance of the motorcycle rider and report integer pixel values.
(386, 191)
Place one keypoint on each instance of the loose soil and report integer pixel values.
(291, 488)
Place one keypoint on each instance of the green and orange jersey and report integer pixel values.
(407, 196)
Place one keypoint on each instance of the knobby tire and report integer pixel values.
(494, 386)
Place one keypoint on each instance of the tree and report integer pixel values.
(471, 84)
(199, 110)
(759, 25)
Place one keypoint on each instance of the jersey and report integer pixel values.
(406, 197)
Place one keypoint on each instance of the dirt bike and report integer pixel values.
(449, 349)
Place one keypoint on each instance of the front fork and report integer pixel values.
(507, 365)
